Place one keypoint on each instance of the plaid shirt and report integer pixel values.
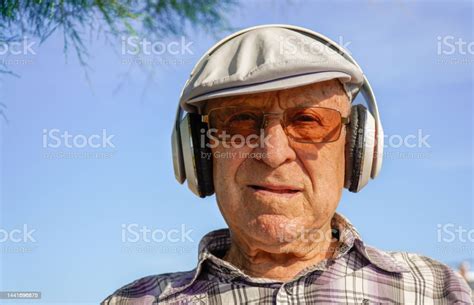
(357, 274)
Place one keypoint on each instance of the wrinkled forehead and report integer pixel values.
(329, 94)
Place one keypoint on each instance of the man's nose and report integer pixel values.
(275, 148)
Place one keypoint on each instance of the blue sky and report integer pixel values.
(77, 206)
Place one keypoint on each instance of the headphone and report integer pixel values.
(192, 159)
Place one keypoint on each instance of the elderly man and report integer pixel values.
(282, 142)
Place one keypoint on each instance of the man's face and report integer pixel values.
(274, 195)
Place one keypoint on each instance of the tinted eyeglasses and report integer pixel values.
(301, 124)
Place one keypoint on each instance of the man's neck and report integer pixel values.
(281, 266)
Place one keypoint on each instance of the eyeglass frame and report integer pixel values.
(344, 120)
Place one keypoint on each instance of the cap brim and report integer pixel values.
(278, 84)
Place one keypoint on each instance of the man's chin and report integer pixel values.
(275, 230)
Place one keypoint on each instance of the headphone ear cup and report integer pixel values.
(355, 148)
(177, 151)
(202, 155)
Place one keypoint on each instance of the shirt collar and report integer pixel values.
(215, 244)
(351, 238)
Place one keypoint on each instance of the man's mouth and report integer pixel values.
(275, 189)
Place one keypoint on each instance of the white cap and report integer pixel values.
(266, 59)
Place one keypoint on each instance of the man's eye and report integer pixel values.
(302, 118)
(242, 117)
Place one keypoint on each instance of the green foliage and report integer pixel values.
(112, 18)
(76, 18)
